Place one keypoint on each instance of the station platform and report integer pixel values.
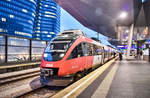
(129, 78)
(10, 67)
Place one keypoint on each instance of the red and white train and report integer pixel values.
(72, 53)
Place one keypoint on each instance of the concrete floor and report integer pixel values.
(131, 80)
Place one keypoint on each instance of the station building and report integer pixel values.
(47, 20)
(25, 27)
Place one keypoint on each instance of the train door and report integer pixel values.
(76, 59)
(97, 55)
(103, 55)
(86, 54)
(84, 60)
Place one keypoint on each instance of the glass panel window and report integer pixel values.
(18, 53)
(36, 57)
(37, 50)
(2, 40)
(18, 57)
(38, 43)
(2, 54)
(18, 41)
(18, 50)
(37, 53)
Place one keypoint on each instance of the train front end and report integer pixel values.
(53, 71)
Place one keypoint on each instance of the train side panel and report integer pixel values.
(76, 65)
(97, 60)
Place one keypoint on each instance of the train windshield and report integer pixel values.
(57, 48)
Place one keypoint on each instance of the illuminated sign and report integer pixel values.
(148, 41)
(144, 1)
(134, 46)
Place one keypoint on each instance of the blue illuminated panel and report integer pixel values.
(148, 41)
(144, 1)
(47, 21)
(17, 17)
(38, 19)
(123, 47)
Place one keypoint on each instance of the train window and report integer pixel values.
(85, 47)
(100, 50)
(59, 46)
(95, 49)
(88, 49)
(77, 52)
(91, 50)
(54, 52)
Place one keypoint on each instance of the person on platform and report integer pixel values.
(114, 54)
(138, 55)
(120, 56)
(141, 54)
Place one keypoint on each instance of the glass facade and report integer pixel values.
(20, 50)
(25, 26)
(47, 21)
(38, 19)
(17, 17)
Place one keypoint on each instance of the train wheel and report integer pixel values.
(85, 72)
(78, 76)
(89, 70)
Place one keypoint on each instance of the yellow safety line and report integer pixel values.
(75, 89)
(103, 88)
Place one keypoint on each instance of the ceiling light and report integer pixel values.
(143, 1)
(123, 15)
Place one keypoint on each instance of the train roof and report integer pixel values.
(72, 32)
(75, 33)
(65, 37)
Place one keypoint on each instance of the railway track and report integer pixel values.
(17, 83)
(43, 92)
(25, 84)
(15, 76)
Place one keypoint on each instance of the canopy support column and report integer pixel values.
(130, 36)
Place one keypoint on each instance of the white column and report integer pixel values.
(130, 36)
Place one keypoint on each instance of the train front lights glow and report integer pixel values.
(62, 55)
(65, 35)
(45, 55)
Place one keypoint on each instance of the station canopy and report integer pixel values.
(103, 16)
(99, 15)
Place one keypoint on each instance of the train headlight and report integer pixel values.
(45, 55)
(62, 55)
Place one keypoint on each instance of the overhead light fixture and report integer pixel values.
(127, 31)
(143, 1)
(123, 15)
